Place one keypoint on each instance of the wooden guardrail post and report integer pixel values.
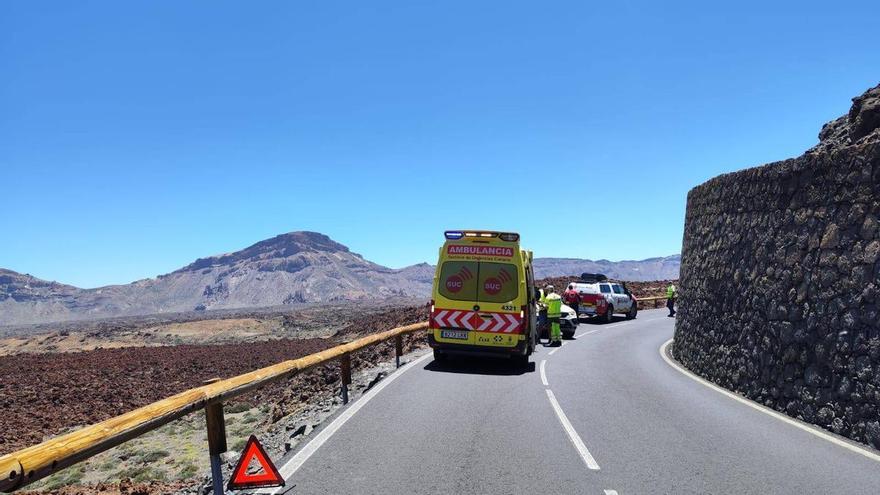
(345, 370)
(216, 425)
(398, 349)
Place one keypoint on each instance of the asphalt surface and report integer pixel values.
(472, 426)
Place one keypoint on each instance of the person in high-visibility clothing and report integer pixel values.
(544, 293)
(542, 307)
(553, 302)
(671, 295)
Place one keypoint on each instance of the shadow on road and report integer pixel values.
(478, 366)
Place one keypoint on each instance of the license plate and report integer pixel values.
(454, 334)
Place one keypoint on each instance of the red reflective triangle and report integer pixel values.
(241, 478)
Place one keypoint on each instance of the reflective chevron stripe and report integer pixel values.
(477, 321)
(449, 318)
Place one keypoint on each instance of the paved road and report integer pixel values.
(645, 427)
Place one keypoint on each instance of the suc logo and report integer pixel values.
(492, 286)
(454, 283)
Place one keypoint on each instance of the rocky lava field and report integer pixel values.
(49, 393)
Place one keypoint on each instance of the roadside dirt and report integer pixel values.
(126, 487)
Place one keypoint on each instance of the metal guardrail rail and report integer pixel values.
(39, 461)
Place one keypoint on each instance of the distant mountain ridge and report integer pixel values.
(293, 268)
(665, 268)
(289, 269)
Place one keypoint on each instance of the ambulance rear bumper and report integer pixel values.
(477, 350)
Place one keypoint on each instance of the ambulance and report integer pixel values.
(483, 301)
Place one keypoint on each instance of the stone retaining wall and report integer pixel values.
(780, 283)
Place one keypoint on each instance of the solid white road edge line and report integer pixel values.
(572, 434)
(766, 410)
(586, 333)
(295, 462)
(554, 350)
(544, 373)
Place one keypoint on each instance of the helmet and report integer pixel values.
(548, 287)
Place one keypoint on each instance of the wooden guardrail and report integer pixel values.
(33, 463)
(645, 302)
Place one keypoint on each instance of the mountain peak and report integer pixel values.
(301, 240)
(280, 246)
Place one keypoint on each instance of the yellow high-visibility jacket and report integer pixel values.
(554, 305)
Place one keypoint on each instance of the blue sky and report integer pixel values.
(138, 136)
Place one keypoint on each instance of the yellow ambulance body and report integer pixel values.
(483, 299)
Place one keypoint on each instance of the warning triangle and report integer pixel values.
(269, 476)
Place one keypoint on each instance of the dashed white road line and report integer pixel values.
(295, 462)
(610, 492)
(566, 424)
(766, 410)
(572, 433)
(543, 372)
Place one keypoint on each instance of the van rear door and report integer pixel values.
(499, 319)
(480, 296)
(458, 280)
(457, 284)
(498, 283)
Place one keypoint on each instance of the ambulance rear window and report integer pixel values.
(478, 281)
(498, 282)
